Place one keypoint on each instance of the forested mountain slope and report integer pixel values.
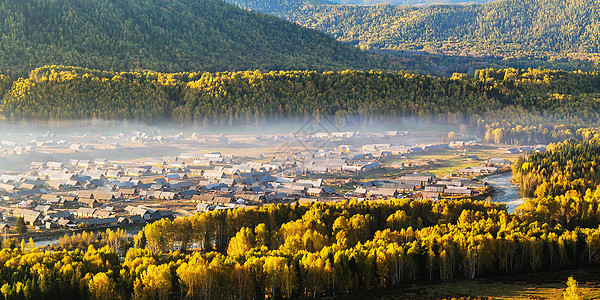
(519, 28)
(162, 35)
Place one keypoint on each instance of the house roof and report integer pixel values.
(51, 197)
(222, 200)
(382, 192)
(329, 190)
(87, 201)
(85, 211)
(104, 196)
(202, 206)
(128, 191)
(63, 222)
(42, 208)
(28, 215)
(188, 193)
(102, 213)
(85, 194)
(203, 198)
(314, 191)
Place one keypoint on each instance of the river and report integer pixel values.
(132, 230)
(505, 191)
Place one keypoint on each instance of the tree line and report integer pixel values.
(505, 106)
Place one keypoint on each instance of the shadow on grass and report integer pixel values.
(530, 286)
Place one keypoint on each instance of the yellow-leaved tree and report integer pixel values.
(155, 283)
(101, 287)
(572, 292)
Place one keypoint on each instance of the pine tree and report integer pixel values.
(21, 226)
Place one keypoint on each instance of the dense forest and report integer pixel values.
(441, 64)
(569, 165)
(563, 182)
(299, 251)
(165, 35)
(505, 106)
(548, 29)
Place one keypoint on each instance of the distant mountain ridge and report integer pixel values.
(407, 2)
(553, 29)
(273, 6)
(161, 35)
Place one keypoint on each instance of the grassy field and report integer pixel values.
(448, 161)
(533, 286)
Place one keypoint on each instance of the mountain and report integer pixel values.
(162, 35)
(549, 29)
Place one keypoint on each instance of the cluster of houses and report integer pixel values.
(94, 193)
(50, 142)
(76, 213)
(346, 159)
(426, 186)
(14, 148)
(525, 149)
(489, 167)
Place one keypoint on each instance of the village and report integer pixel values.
(77, 194)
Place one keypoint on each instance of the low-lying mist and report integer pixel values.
(25, 129)
(24, 142)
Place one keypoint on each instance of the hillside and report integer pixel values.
(164, 35)
(550, 29)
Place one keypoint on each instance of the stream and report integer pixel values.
(505, 191)
(132, 230)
